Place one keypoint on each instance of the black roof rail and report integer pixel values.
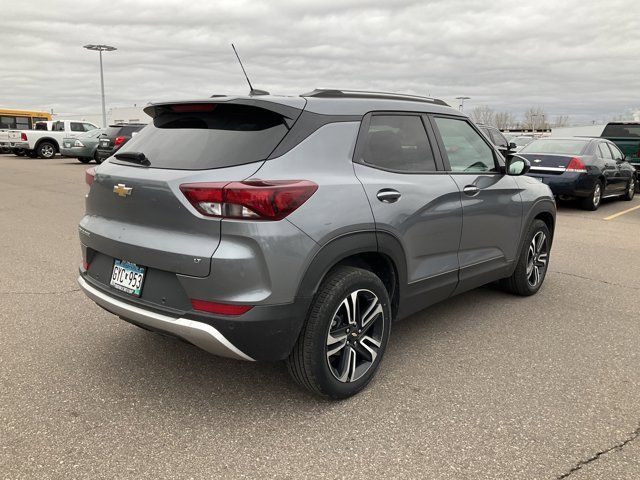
(334, 93)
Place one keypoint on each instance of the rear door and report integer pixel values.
(412, 199)
(611, 171)
(491, 204)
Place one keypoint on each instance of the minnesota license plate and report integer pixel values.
(127, 277)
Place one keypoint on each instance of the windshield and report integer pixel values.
(557, 146)
(92, 133)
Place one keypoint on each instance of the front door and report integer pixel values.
(413, 200)
(491, 203)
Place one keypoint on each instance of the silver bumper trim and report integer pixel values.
(200, 334)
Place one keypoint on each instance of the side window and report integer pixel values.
(617, 154)
(498, 138)
(77, 127)
(604, 151)
(400, 143)
(88, 127)
(57, 127)
(466, 150)
(22, 123)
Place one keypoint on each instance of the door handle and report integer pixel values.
(471, 190)
(388, 195)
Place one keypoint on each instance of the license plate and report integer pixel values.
(104, 143)
(127, 277)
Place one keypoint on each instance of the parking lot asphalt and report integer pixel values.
(483, 386)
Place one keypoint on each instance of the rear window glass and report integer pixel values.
(112, 131)
(560, 147)
(623, 131)
(226, 136)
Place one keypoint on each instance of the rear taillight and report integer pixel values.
(220, 308)
(23, 137)
(85, 265)
(256, 200)
(90, 175)
(118, 141)
(576, 165)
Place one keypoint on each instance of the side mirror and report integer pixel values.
(517, 165)
(512, 146)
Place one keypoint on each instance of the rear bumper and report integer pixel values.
(569, 184)
(263, 333)
(24, 145)
(102, 154)
(200, 334)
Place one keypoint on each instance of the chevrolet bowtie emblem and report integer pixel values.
(122, 190)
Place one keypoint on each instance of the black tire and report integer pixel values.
(84, 159)
(630, 192)
(310, 362)
(98, 159)
(46, 150)
(592, 202)
(31, 153)
(19, 152)
(519, 283)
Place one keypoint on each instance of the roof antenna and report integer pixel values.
(252, 90)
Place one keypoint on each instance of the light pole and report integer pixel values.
(102, 48)
(462, 99)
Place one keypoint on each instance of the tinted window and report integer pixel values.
(604, 151)
(112, 132)
(621, 130)
(57, 127)
(398, 142)
(77, 127)
(557, 146)
(128, 130)
(225, 136)
(466, 150)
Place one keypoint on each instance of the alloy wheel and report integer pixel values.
(632, 188)
(355, 336)
(537, 257)
(597, 193)
(47, 151)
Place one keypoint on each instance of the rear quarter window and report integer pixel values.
(228, 135)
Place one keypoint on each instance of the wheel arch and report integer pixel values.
(379, 253)
(53, 141)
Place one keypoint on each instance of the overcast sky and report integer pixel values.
(571, 57)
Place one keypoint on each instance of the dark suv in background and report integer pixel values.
(300, 228)
(114, 137)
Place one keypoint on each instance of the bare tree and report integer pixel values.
(561, 121)
(535, 117)
(503, 120)
(482, 114)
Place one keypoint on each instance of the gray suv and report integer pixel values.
(300, 228)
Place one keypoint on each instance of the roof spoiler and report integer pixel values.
(288, 112)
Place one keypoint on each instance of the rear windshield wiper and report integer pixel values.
(135, 157)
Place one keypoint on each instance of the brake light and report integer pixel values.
(220, 308)
(193, 107)
(90, 175)
(576, 165)
(23, 136)
(256, 200)
(118, 141)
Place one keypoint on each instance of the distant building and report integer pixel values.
(114, 115)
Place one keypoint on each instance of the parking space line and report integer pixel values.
(616, 215)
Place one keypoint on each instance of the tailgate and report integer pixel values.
(140, 215)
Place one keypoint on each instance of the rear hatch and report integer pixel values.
(135, 210)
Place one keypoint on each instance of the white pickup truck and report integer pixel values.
(45, 140)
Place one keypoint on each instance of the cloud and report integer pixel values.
(572, 58)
